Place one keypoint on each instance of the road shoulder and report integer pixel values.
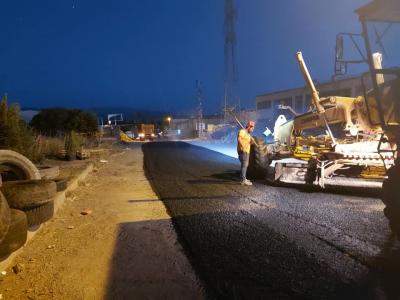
(125, 246)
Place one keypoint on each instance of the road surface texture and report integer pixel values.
(125, 248)
(268, 242)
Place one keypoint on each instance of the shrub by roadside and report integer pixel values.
(15, 133)
(59, 127)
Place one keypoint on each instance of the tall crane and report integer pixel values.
(231, 86)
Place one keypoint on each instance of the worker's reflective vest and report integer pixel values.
(244, 141)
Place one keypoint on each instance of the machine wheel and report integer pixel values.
(391, 198)
(5, 217)
(258, 160)
(311, 173)
(14, 166)
(22, 194)
(16, 234)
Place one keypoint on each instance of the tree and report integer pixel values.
(53, 121)
(14, 132)
(4, 123)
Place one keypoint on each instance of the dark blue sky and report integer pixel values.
(148, 53)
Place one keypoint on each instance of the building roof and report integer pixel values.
(380, 11)
(317, 84)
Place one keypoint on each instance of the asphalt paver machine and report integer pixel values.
(348, 141)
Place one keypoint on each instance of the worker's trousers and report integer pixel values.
(244, 162)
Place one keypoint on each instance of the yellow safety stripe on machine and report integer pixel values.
(373, 172)
(304, 154)
(125, 138)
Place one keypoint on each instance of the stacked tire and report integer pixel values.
(34, 197)
(14, 228)
(53, 173)
(25, 200)
(14, 166)
(49, 172)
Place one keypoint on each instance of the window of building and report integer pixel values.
(344, 92)
(339, 92)
(264, 104)
(307, 103)
(298, 104)
(327, 94)
(286, 101)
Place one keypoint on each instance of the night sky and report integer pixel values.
(147, 54)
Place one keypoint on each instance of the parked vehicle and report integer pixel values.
(146, 132)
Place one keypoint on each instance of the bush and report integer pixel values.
(72, 144)
(52, 146)
(15, 134)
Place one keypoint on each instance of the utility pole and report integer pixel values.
(231, 86)
(199, 98)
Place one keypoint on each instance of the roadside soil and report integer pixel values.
(124, 247)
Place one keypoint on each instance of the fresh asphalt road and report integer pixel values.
(268, 242)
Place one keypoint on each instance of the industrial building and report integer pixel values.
(267, 105)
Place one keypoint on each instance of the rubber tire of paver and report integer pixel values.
(20, 166)
(40, 214)
(391, 197)
(5, 217)
(61, 183)
(311, 173)
(258, 160)
(49, 172)
(16, 235)
(23, 194)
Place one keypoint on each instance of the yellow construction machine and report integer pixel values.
(345, 141)
(334, 144)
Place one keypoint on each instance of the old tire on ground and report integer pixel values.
(14, 166)
(61, 183)
(391, 198)
(16, 234)
(40, 214)
(5, 217)
(49, 172)
(23, 194)
(258, 160)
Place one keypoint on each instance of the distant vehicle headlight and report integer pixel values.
(141, 134)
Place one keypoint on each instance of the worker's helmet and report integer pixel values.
(250, 124)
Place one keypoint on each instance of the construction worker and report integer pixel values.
(243, 148)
